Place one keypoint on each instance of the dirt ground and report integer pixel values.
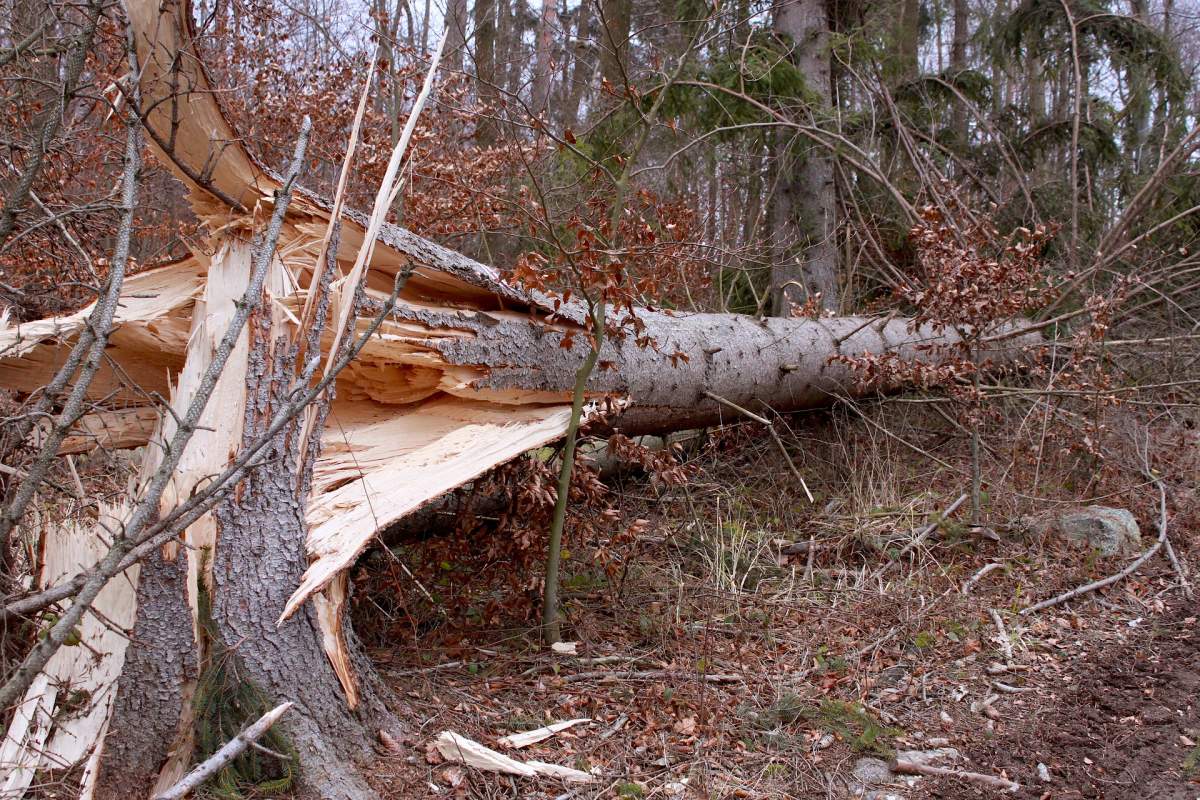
(714, 666)
(1123, 724)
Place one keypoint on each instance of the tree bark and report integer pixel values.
(904, 65)
(615, 22)
(150, 724)
(803, 215)
(583, 67)
(958, 65)
(546, 33)
(485, 68)
(456, 45)
(260, 557)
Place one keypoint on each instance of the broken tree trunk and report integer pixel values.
(464, 373)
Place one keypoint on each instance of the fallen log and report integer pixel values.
(464, 373)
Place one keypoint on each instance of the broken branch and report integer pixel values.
(231, 750)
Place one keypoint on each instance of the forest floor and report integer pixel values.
(710, 665)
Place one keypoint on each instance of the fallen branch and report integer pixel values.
(1180, 570)
(462, 750)
(217, 761)
(1005, 642)
(913, 768)
(928, 529)
(650, 675)
(974, 579)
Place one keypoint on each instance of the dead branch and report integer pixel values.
(771, 430)
(231, 750)
(974, 579)
(913, 768)
(925, 532)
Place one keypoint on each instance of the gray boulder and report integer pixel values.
(872, 771)
(1110, 531)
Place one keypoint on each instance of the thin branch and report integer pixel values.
(231, 750)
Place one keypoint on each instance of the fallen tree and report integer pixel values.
(454, 372)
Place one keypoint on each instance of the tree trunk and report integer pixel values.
(583, 68)
(958, 65)
(803, 216)
(485, 69)
(615, 22)
(260, 556)
(456, 44)
(904, 65)
(543, 66)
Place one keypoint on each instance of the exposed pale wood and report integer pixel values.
(468, 373)
(379, 463)
(113, 430)
(457, 748)
(41, 736)
(215, 442)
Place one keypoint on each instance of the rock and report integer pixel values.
(929, 757)
(1111, 531)
(1043, 773)
(872, 770)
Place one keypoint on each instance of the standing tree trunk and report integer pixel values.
(615, 25)
(803, 215)
(543, 64)
(904, 64)
(485, 69)
(456, 44)
(583, 67)
(958, 65)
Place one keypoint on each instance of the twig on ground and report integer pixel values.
(650, 675)
(924, 533)
(974, 579)
(912, 768)
(1005, 642)
(1180, 570)
(401, 673)
(1010, 689)
(232, 749)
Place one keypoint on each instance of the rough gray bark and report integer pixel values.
(803, 213)
(582, 67)
(615, 23)
(260, 559)
(485, 66)
(783, 364)
(157, 680)
(456, 44)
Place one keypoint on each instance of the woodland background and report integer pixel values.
(952, 161)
